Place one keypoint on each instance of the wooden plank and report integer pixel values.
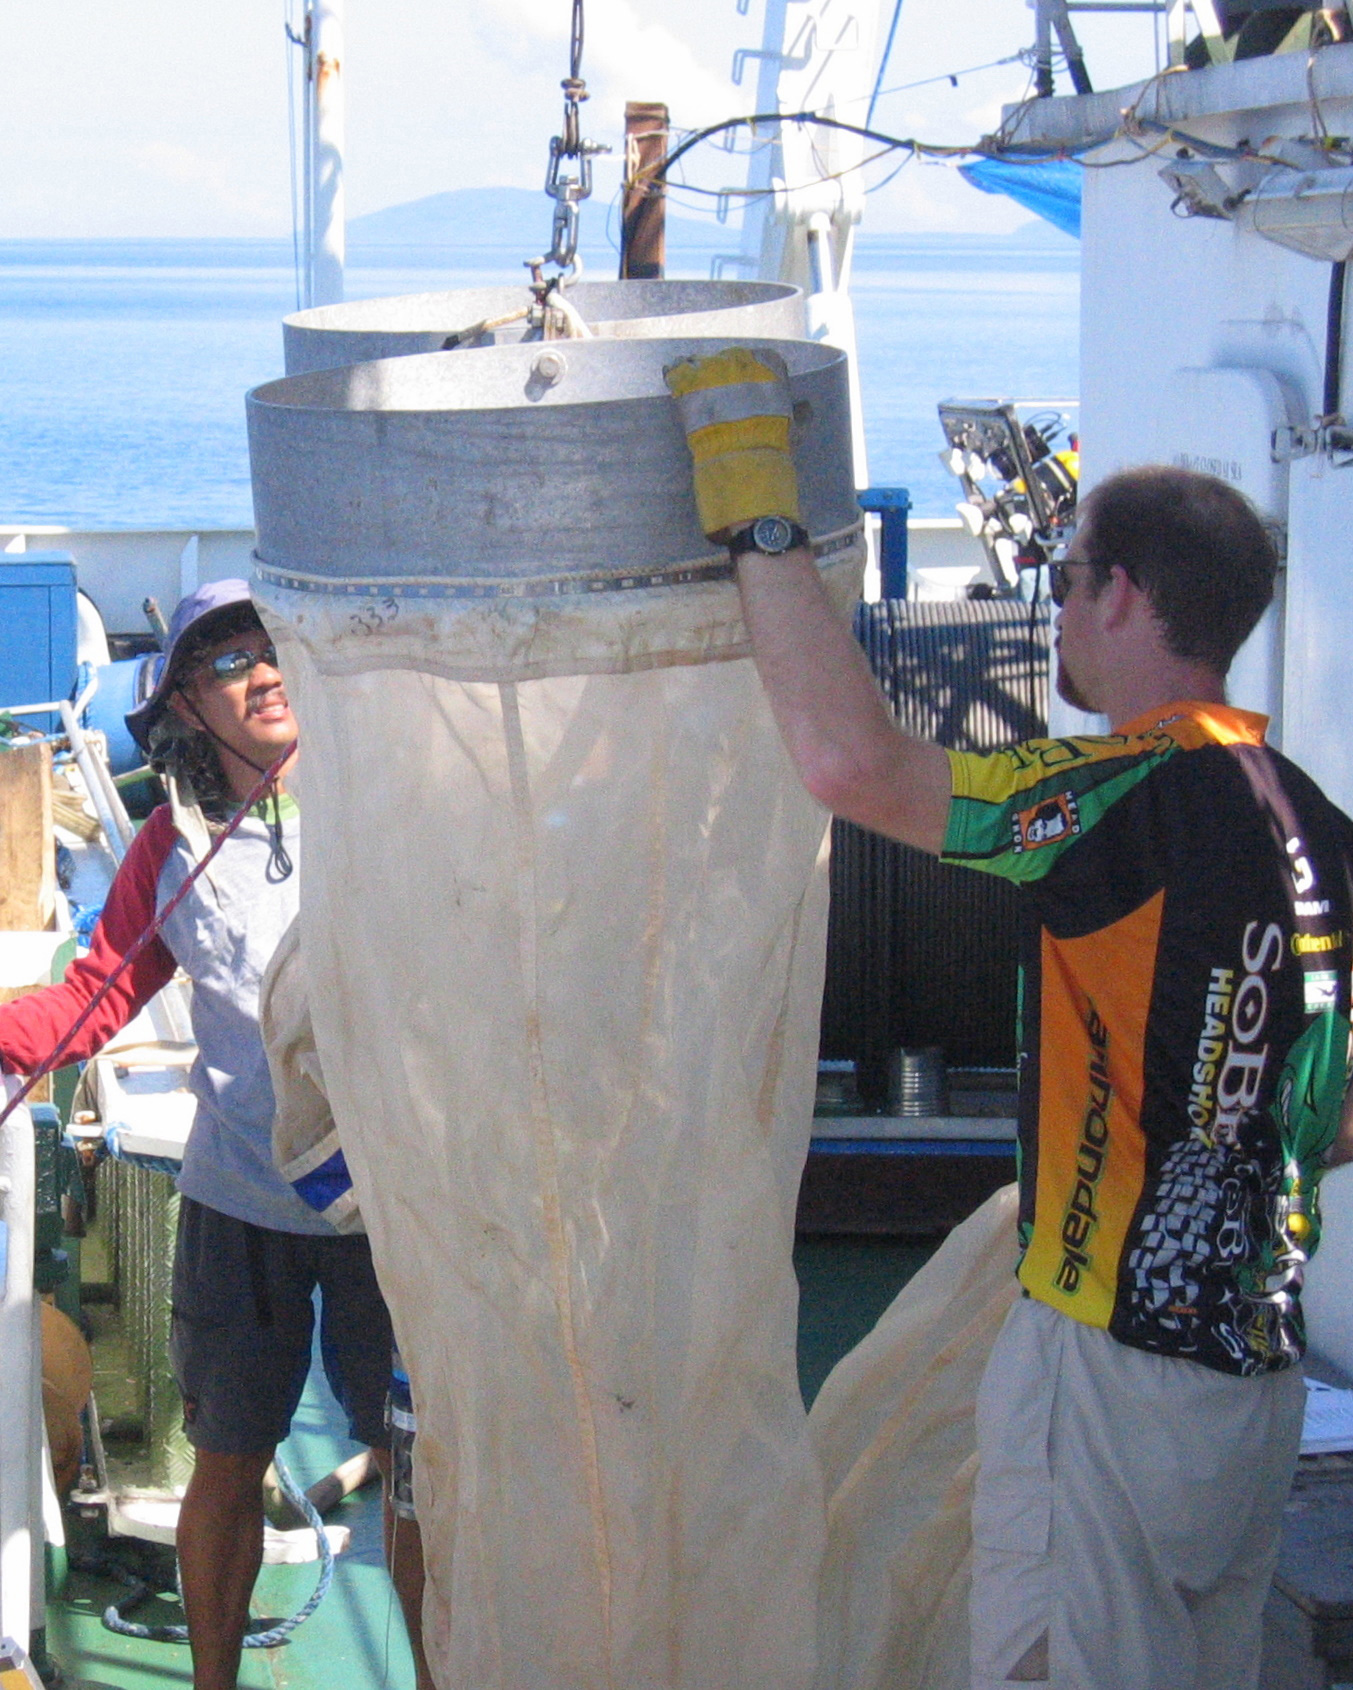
(27, 843)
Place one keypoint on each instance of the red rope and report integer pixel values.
(53, 1058)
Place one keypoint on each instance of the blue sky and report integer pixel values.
(169, 117)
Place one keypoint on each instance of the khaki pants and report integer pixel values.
(1127, 1513)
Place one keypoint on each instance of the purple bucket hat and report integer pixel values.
(188, 615)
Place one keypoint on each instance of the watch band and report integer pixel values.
(772, 536)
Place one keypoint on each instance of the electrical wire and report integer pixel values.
(893, 174)
(951, 76)
(1032, 664)
(987, 148)
(888, 142)
(1049, 423)
(1334, 340)
(769, 193)
(999, 145)
(1142, 153)
(993, 146)
(1321, 128)
(390, 1601)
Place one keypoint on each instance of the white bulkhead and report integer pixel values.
(1203, 343)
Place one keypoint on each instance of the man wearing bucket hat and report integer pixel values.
(1188, 905)
(250, 1253)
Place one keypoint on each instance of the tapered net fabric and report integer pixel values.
(561, 933)
(563, 924)
(894, 1430)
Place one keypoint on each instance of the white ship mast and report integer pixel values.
(324, 218)
(800, 225)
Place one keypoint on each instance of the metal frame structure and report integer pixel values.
(1052, 18)
(22, 1596)
(804, 198)
(1053, 24)
(324, 217)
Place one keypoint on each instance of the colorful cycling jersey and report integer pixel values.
(1185, 964)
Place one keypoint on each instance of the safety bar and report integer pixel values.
(22, 1595)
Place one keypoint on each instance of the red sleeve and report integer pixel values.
(31, 1026)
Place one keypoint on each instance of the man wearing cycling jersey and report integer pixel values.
(1186, 962)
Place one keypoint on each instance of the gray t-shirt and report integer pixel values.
(223, 936)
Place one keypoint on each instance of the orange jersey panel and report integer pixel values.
(1096, 992)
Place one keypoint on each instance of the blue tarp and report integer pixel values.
(1052, 188)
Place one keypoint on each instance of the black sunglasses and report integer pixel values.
(1059, 577)
(228, 666)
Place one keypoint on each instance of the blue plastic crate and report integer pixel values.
(37, 631)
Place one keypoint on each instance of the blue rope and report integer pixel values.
(883, 63)
(113, 1614)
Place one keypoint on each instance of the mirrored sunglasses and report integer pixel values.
(228, 666)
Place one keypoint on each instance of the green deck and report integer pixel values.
(355, 1638)
(356, 1641)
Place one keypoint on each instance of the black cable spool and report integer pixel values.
(921, 952)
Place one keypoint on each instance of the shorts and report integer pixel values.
(403, 1429)
(1128, 1512)
(243, 1327)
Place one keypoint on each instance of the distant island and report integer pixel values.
(505, 226)
(519, 218)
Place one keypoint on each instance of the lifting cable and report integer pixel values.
(53, 1058)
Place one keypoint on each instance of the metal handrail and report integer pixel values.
(22, 1596)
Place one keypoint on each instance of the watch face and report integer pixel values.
(773, 534)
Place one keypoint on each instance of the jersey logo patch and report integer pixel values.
(1047, 823)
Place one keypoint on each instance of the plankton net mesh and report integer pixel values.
(563, 938)
(562, 932)
(563, 941)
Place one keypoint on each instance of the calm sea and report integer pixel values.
(123, 365)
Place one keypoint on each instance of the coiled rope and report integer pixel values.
(114, 1615)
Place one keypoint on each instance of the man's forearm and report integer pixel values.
(736, 409)
(844, 742)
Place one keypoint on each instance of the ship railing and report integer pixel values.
(22, 1594)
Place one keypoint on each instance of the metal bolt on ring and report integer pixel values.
(550, 368)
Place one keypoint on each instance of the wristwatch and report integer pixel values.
(772, 536)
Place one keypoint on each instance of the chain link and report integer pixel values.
(565, 186)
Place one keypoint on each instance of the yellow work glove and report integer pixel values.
(735, 408)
